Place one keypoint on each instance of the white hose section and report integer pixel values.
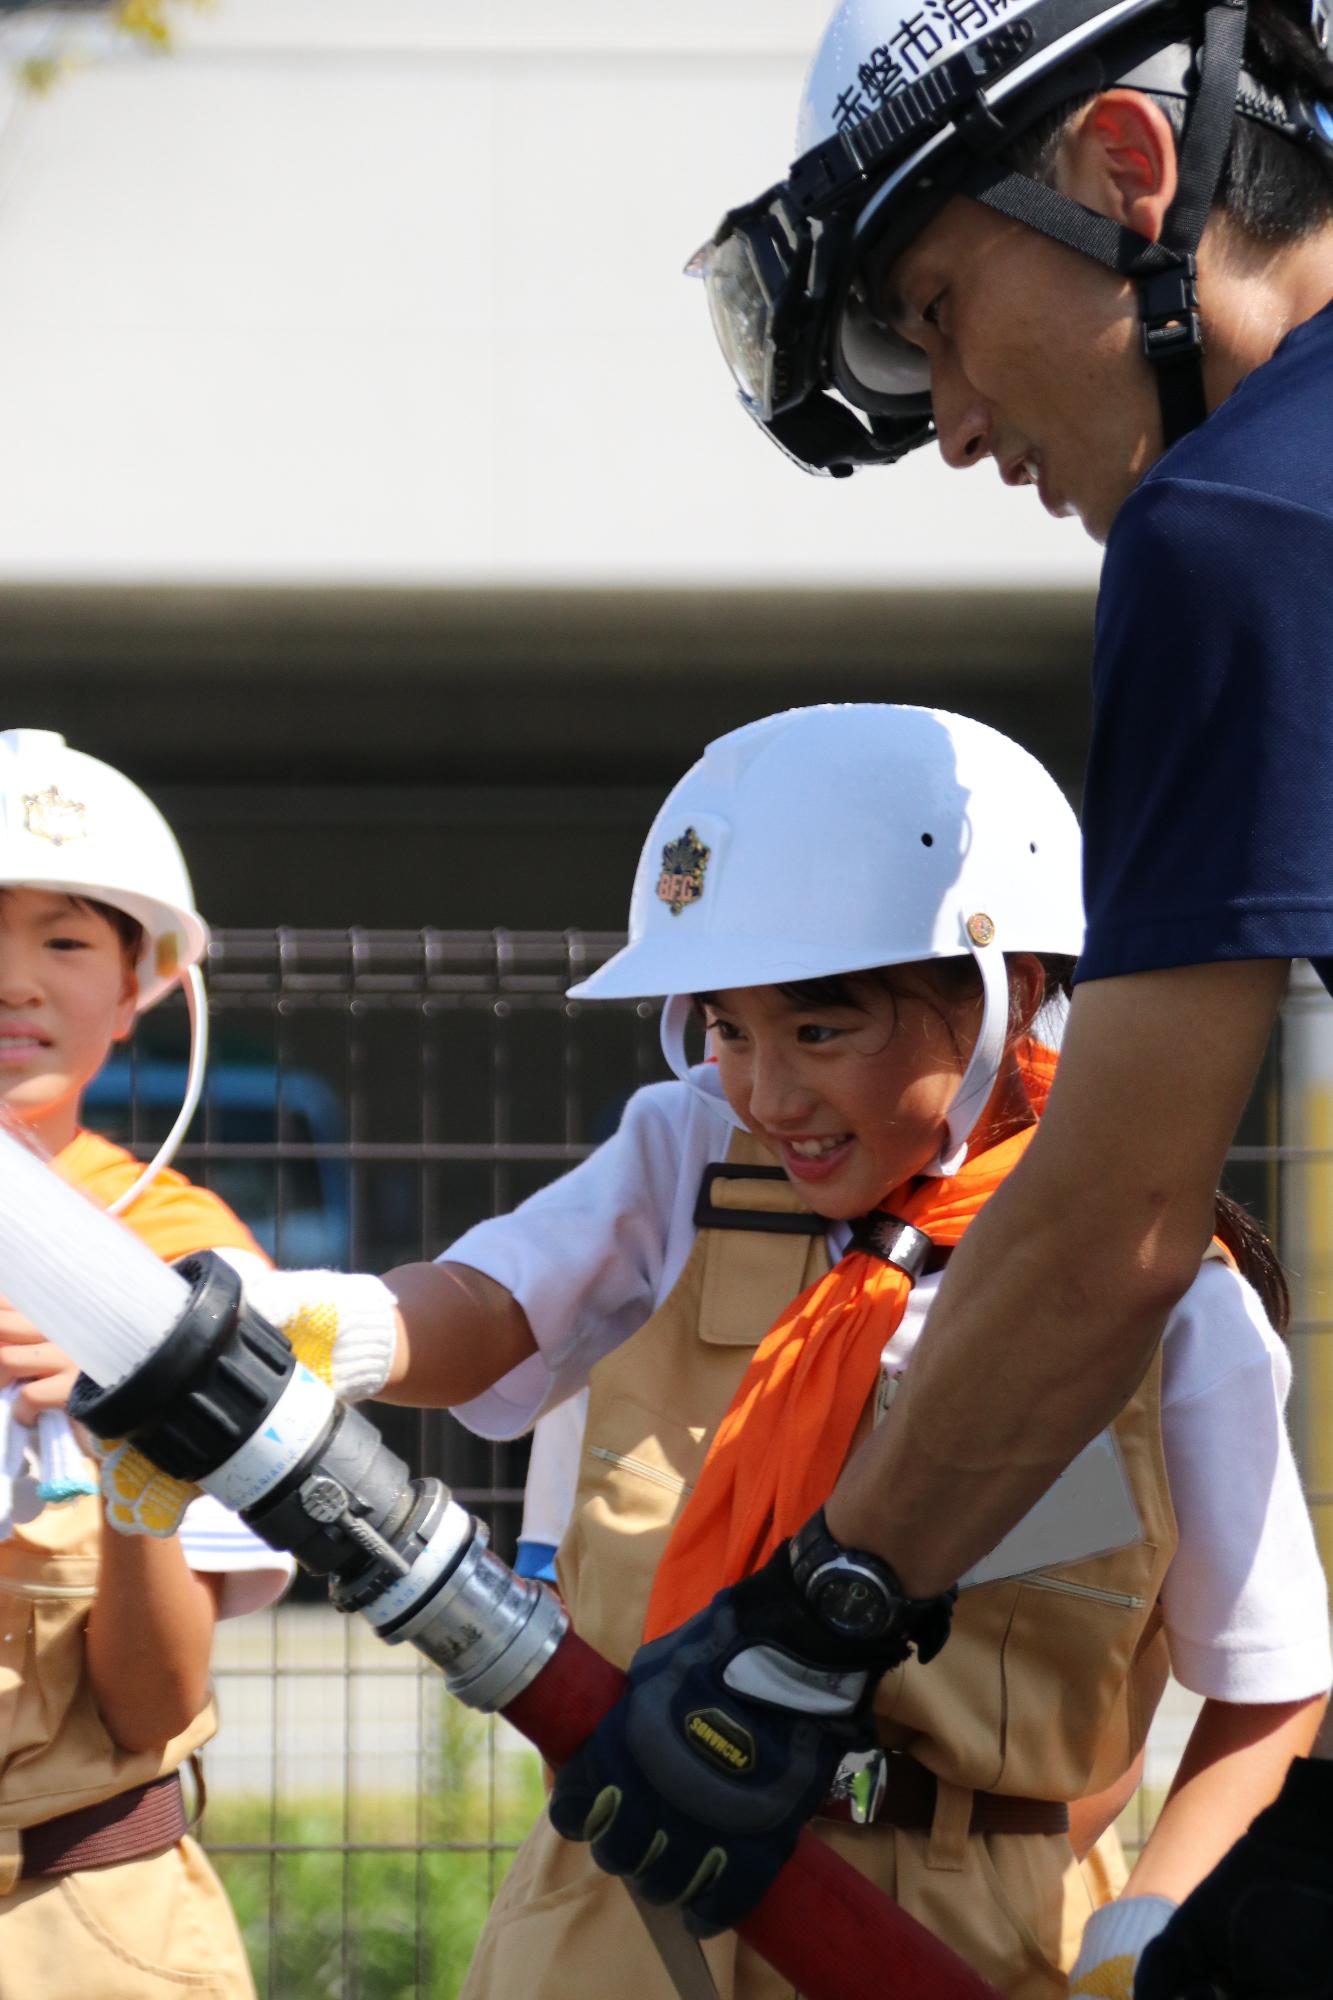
(196, 1004)
(91, 1286)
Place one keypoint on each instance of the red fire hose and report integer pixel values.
(821, 1925)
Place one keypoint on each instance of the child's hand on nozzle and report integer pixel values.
(44, 1371)
(342, 1325)
(140, 1499)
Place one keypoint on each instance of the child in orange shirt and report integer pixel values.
(104, 1639)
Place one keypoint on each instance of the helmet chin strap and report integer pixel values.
(676, 1011)
(974, 1088)
(979, 1078)
(196, 1005)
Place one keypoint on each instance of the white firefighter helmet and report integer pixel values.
(843, 838)
(72, 824)
(908, 102)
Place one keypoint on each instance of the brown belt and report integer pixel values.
(145, 1820)
(905, 1797)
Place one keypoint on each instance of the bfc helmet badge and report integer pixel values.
(49, 815)
(681, 881)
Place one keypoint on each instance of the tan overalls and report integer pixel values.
(135, 1930)
(1044, 1691)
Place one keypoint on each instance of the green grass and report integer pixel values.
(367, 1925)
(370, 1925)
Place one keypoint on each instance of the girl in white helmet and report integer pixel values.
(867, 908)
(104, 1638)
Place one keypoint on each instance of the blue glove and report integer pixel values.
(1260, 1927)
(699, 1780)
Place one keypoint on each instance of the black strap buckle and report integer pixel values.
(801, 1222)
(892, 1241)
(1169, 310)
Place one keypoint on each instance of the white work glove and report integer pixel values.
(1113, 1938)
(140, 1499)
(342, 1325)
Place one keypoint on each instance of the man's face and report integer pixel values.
(1034, 359)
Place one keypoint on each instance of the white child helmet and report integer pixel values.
(72, 824)
(846, 837)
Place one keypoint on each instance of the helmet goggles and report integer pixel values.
(794, 279)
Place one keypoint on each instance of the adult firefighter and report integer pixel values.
(1093, 242)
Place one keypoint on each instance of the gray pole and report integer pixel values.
(1305, 1232)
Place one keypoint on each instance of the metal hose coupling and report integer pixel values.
(224, 1402)
(489, 1631)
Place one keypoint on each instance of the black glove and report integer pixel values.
(699, 1780)
(1260, 1927)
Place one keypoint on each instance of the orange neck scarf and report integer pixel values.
(783, 1442)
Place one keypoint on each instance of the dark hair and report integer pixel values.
(129, 931)
(1276, 189)
(1255, 1256)
(958, 980)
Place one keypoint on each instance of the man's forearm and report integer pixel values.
(1028, 1358)
(1054, 1301)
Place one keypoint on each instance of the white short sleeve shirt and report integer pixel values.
(590, 1257)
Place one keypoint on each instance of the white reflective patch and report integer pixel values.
(1089, 1511)
(767, 1675)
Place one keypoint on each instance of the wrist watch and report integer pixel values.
(858, 1596)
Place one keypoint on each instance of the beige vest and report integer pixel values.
(1049, 1681)
(1037, 1688)
(55, 1753)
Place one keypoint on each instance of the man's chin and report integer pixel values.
(1095, 517)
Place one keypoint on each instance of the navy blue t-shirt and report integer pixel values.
(1208, 814)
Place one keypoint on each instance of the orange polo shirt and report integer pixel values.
(172, 1216)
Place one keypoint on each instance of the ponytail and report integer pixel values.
(1255, 1257)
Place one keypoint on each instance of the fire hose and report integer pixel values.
(211, 1393)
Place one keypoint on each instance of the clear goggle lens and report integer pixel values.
(740, 314)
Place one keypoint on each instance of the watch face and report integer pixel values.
(851, 1603)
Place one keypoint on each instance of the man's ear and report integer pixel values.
(1119, 157)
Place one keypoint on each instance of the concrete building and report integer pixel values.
(374, 485)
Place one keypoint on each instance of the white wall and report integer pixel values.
(389, 290)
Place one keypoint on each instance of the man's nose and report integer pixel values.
(962, 419)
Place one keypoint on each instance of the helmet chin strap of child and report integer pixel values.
(196, 1006)
(975, 1086)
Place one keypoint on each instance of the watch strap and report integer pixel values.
(922, 1622)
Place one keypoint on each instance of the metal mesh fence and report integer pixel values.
(370, 1095)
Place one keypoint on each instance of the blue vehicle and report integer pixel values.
(258, 1141)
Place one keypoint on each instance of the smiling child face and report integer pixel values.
(852, 1096)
